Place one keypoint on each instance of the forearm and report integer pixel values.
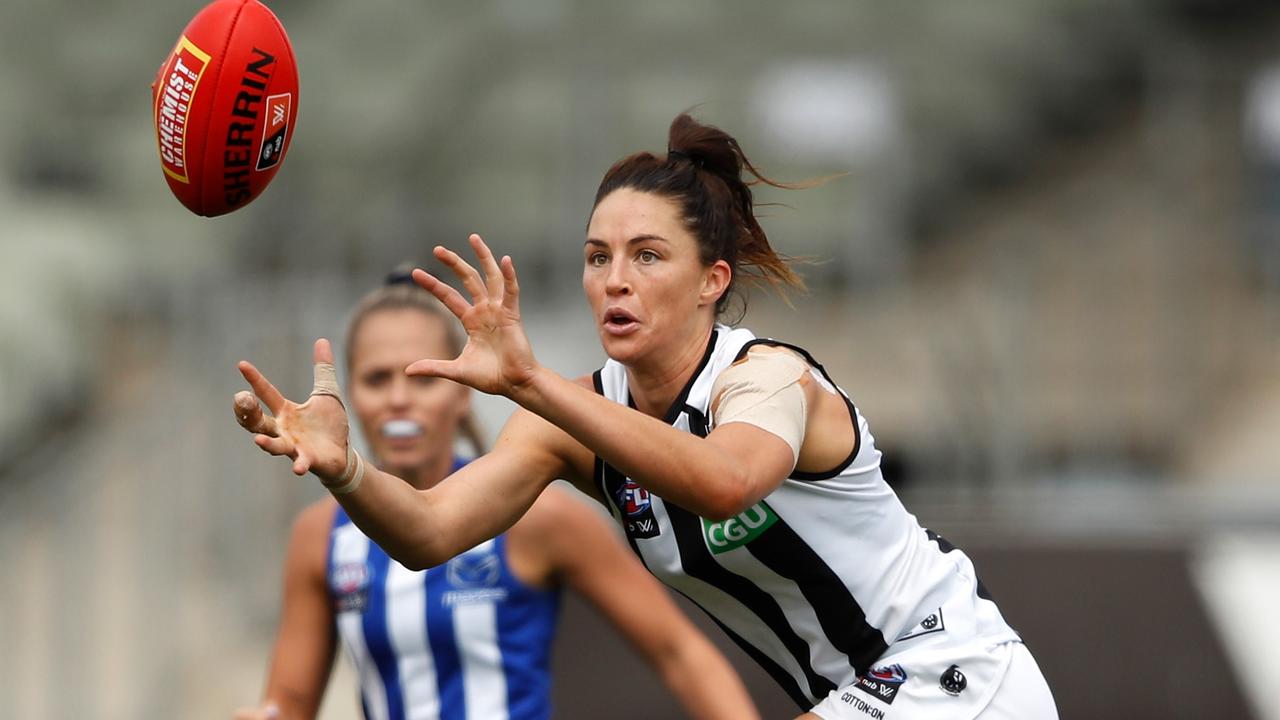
(396, 517)
(705, 683)
(423, 528)
(676, 465)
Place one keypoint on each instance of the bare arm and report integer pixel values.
(716, 477)
(306, 640)
(423, 528)
(587, 555)
(418, 528)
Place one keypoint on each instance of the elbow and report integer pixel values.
(732, 495)
(418, 557)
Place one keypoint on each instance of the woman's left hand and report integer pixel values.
(497, 358)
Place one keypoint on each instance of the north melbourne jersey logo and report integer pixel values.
(474, 576)
(882, 683)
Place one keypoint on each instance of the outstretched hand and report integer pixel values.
(313, 434)
(497, 358)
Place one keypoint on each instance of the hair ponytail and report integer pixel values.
(703, 172)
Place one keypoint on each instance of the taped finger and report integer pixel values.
(250, 416)
(326, 382)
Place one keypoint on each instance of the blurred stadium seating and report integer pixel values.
(1048, 276)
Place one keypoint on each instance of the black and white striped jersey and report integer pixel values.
(818, 580)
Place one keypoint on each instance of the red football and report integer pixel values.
(225, 102)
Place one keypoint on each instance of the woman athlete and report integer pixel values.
(743, 476)
(472, 637)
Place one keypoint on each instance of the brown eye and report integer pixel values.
(597, 259)
(647, 256)
(376, 378)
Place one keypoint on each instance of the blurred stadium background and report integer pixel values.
(1050, 279)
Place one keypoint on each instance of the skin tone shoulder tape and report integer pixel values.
(763, 389)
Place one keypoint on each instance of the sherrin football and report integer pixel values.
(225, 104)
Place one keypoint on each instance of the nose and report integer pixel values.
(399, 396)
(618, 281)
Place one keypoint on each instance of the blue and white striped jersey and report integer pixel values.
(461, 641)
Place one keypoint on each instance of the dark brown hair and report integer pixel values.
(400, 293)
(702, 172)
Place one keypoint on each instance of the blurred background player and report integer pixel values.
(743, 477)
(470, 638)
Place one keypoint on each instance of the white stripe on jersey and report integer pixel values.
(484, 682)
(350, 546)
(727, 609)
(407, 627)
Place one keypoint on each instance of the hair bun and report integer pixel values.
(401, 274)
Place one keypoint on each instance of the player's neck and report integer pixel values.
(655, 387)
(427, 475)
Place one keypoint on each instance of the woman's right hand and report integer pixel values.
(314, 434)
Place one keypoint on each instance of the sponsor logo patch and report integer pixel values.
(274, 131)
(882, 683)
(726, 535)
(176, 88)
(863, 706)
(350, 586)
(637, 510)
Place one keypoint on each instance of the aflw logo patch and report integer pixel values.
(637, 510)
(726, 535)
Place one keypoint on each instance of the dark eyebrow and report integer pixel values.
(632, 241)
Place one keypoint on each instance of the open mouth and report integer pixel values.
(619, 321)
(401, 429)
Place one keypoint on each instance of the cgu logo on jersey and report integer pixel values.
(637, 509)
(739, 530)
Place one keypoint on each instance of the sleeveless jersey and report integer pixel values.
(822, 577)
(460, 641)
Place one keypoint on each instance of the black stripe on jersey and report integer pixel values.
(946, 546)
(776, 671)
(853, 412)
(677, 405)
(698, 564)
(843, 621)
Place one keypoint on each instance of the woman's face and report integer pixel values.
(646, 284)
(409, 422)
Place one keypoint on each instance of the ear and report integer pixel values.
(715, 282)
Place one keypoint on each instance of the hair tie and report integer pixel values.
(681, 155)
(399, 277)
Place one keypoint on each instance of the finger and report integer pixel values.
(275, 445)
(262, 387)
(451, 298)
(326, 377)
(271, 711)
(250, 416)
(447, 369)
(467, 274)
(492, 275)
(511, 286)
(302, 463)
